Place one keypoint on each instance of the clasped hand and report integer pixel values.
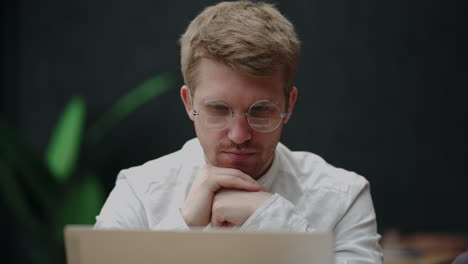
(222, 196)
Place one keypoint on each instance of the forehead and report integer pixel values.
(217, 80)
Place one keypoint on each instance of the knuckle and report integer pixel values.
(217, 205)
(217, 209)
(210, 177)
(206, 175)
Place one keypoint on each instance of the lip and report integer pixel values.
(238, 155)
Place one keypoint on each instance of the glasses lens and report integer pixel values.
(215, 115)
(264, 116)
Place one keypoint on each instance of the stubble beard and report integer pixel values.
(254, 168)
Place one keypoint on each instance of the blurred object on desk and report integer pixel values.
(422, 248)
(462, 258)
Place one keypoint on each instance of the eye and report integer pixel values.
(216, 108)
(264, 109)
(219, 107)
(259, 109)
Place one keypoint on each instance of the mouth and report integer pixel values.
(237, 155)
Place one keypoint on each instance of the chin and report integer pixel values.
(242, 166)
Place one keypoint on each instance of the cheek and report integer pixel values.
(208, 139)
(270, 139)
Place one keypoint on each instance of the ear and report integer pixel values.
(185, 95)
(292, 101)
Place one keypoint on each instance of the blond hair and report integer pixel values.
(252, 38)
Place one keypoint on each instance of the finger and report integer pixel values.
(229, 181)
(241, 175)
(219, 221)
(233, 172)
(227, 224)
(222, 224)
(215, 221)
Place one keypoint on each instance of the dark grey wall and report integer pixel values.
(380, 89)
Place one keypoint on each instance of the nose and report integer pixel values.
(239, 129)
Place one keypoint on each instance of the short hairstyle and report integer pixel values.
(251, 37)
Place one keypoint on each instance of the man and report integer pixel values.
(239, 61)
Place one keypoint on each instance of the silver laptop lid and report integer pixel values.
(87, 246)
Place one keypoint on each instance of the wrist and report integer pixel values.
(187, 219)
(192, 219)
(262, 198)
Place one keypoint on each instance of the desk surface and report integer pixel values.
(439, 258)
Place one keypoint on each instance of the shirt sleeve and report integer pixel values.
(356, 238)
(174, 221)
(276, 214)
(122, 209)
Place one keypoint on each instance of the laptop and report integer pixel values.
(86, 246)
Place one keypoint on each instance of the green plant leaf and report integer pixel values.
(128, 103)
(64, 144)
(30, 229)
(15, 198)
(81, 204)
(29, 170)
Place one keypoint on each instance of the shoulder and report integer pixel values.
(162, 169)
(313, 172)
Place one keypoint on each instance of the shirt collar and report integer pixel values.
(267, 179)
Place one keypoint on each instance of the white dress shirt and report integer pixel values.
(309, 195)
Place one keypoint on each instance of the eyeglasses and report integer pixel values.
(263, 116)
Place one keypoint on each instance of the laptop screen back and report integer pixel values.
(87, 246)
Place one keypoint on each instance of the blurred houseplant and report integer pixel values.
(45, 194)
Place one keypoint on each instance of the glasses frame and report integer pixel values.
(282, 114)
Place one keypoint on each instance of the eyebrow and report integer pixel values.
(207, 98)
